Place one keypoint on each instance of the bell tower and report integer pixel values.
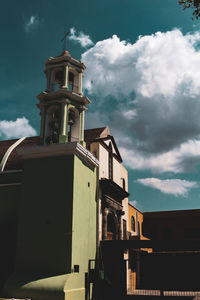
(62, 105)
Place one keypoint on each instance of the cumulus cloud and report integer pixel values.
(175, 187)
(181, 159)
(155, 64)
(83, 39)
(31, 23)
(155, 86)
(16, 129)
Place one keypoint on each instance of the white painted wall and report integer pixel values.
(116, 171)
(103, 162)
(119, 172)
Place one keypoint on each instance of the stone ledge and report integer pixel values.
(59, 150)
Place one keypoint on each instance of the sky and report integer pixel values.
(142, 76)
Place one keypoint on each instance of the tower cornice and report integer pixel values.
(63, 93)
(65, 58)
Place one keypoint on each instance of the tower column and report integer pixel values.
(82, 120)
(63, 123)
(66, 77)
(80, 83)
(63, 118)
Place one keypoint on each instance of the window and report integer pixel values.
(123, 183)
(110, 166)
(138, 228)
(111, 227)
(132, 223)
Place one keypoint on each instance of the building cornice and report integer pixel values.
(113, 190)
(52, 150)
(102, 140)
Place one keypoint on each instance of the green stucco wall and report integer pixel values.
(10, 194)
(45, 216)
(84, 218)
(56, 230)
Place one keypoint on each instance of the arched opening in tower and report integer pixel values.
(58, 79)
(73, 125)
(52, 125)
(71, 81)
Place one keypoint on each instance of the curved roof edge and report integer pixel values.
(8, 152)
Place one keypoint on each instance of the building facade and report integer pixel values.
(61, 193)
(48, 195)
(112, 185)
(177, 225)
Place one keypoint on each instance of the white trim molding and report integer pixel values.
(8, 152)
(59, 150)
(10, 184)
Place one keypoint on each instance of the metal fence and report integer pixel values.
(195, 295)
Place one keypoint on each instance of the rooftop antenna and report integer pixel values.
(64, 39)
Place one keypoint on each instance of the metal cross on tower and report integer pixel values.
(64, 39)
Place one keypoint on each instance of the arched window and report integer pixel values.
(132, 223)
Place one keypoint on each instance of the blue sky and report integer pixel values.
(142, 76)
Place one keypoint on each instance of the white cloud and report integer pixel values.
(155, 89)
(175, 187)
(129, 114)
(181, 159)
(31, 23)
(83, 39)
(16, 129)
(134, 202)
(155, 64)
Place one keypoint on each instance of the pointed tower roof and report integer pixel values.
(64, 53)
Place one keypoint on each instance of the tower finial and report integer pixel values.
(64, 39)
